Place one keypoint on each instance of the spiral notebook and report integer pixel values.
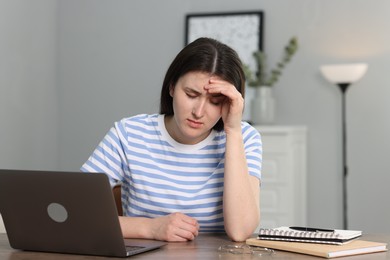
(309, 235)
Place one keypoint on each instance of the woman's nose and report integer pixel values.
(199, 108)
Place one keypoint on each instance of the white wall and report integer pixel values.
(112, 58)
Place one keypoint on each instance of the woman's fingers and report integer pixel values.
(176, 227)
(233, 105)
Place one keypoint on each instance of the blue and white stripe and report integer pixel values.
(160, 176)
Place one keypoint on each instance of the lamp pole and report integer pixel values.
(343, 75)
(343, 87)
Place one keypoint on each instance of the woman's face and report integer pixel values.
(195, 110)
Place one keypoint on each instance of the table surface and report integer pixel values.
(204, 246)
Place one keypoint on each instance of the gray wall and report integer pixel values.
(111, 57)
(28, 87)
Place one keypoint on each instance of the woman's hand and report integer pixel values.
(233, 105)
(175, 227)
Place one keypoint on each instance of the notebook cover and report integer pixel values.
(355, 247)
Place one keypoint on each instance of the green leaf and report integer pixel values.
(260, 77)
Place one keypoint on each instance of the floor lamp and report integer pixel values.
(343, 75)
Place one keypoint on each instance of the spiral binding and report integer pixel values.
(297, 234)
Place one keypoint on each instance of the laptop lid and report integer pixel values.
(66, 212)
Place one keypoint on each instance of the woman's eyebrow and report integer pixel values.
(188, 89)
(194, 91)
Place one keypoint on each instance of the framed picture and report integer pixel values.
(243, 31)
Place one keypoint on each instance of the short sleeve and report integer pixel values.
(253, 149)
(109, 156)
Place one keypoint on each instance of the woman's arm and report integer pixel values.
(241, 191)
(241, 206)
(175, 227)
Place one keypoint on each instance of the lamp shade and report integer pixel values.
(344, 73)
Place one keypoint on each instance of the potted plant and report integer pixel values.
(262, 106)
(261, 78)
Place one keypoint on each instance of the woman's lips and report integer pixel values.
(194, 124)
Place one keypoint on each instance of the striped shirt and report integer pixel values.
(160, 176)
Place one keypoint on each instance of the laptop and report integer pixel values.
(64, 212)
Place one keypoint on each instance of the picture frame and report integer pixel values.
(242, 31)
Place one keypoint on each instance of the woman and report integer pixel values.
(195, 167)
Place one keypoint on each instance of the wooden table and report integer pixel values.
(203, 247)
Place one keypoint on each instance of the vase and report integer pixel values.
(263, 106)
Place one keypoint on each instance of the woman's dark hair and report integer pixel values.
(203, 55)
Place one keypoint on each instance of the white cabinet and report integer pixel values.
(283, 200)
